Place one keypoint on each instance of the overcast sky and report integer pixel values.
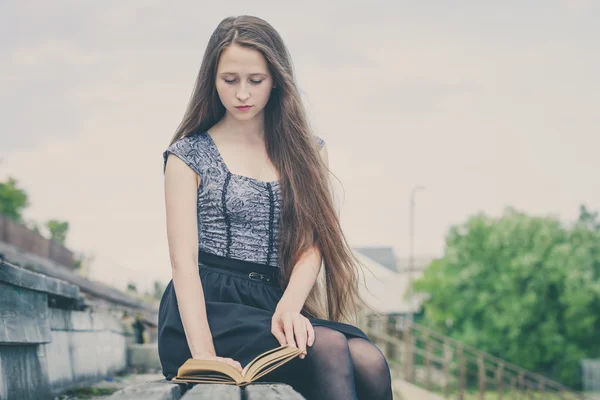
(487, 105)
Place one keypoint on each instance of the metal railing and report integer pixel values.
(454, 370)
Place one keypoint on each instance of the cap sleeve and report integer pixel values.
(188, 150)
(320, 142)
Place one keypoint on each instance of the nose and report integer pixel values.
(242, 95)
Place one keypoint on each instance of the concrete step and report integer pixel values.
(407, 391)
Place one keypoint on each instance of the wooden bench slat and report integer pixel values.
(212, 391)
(165, 390)
(154, 390)
(269, 391)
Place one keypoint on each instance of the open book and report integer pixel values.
(211, 371)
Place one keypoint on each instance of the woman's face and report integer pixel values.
(243, 79)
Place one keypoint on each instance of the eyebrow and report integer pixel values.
(254, 74)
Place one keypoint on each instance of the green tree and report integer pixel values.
(132, 287)
(526, 289)
(58, 230)
(13, 200)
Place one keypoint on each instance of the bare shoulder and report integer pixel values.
(179, 173)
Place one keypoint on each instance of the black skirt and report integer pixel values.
(240, 297)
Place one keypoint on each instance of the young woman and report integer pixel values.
(250, 224)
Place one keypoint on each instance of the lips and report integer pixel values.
(243, 108)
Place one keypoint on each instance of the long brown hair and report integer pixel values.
(308, 216)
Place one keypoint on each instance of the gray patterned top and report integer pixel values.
(238, 216)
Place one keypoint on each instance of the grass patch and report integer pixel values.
(511, 395)
(86, 392)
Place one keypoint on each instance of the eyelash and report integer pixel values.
(230, 82)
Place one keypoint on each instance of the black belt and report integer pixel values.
(255, 271)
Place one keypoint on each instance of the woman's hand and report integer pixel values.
(288, 325)
(225, 360)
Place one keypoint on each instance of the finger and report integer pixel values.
(288, 328)
(233, 363)
(278, 333)
(223, 360)
(311, 333)
(236, 364)
(300, 333)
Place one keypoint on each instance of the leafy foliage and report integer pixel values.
(58, 230)
(12, 199)
(131, 287)
(526, 289)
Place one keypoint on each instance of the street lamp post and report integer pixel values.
(411, 256)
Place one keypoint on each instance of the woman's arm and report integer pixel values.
(181, 191)
(303, 278)
(181, 184)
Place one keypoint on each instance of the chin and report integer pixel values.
(242, 116)
(246, 117)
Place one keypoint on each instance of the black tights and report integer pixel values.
(346, 368)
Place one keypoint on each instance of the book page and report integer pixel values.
(260, 356)
(198, 369)
(192, 379)
(278, 364)
(268, 360)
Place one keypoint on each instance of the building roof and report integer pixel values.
(384, 290)
(383, 255)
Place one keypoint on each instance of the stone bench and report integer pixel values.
(165, 390)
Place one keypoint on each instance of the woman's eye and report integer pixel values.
(233, 81)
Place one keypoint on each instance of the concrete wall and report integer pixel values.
(143, 357)
(49, 340)
(86, 346)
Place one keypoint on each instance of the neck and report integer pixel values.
(254, 128)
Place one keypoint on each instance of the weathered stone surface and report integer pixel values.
(162, 389)
(143, 356)
(211, 391)
(22, 374)
(70, 347)
(267, 391)
(157, 390)
(23, 316)
(31, 280)
(96, 289)
(75, 357)
(86, 320)
(45, 349)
